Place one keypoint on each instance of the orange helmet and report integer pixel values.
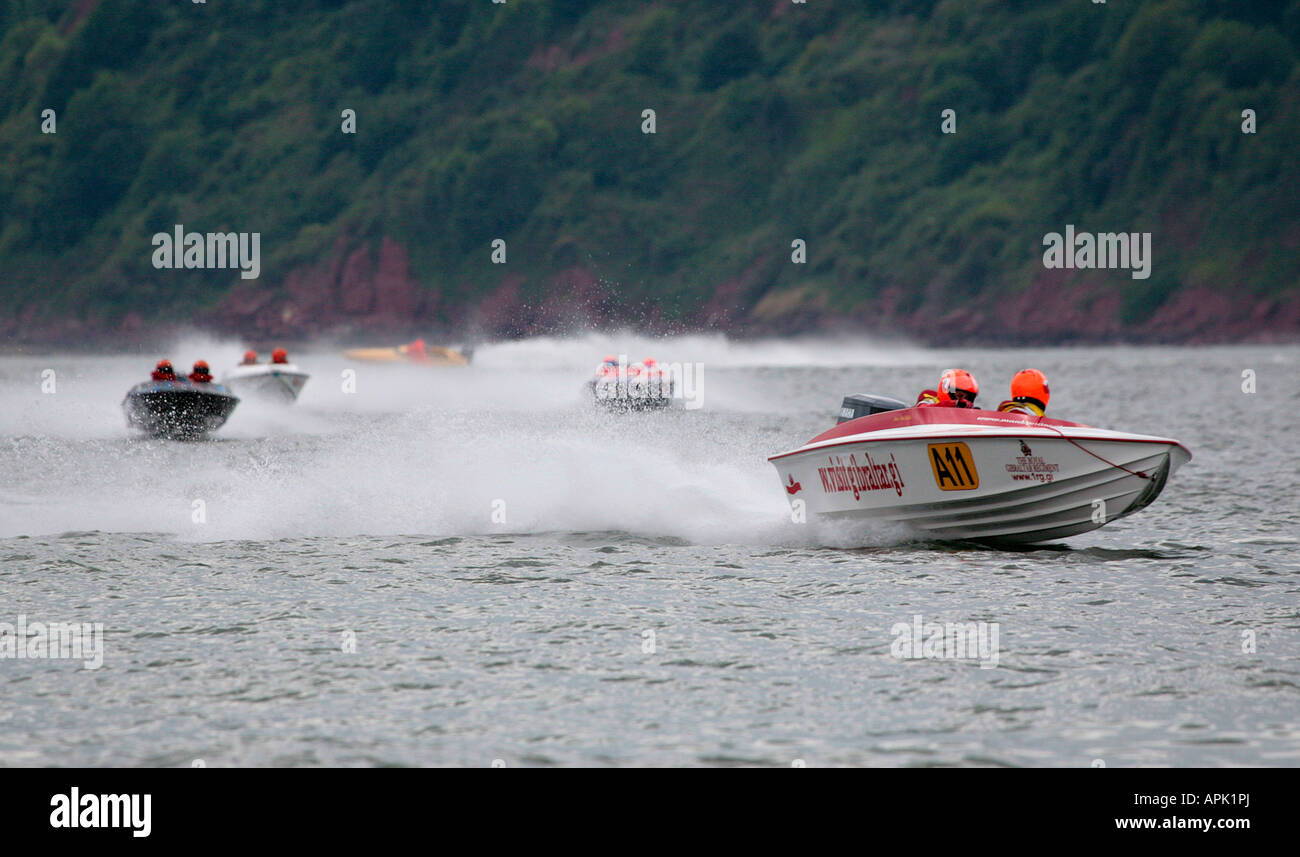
(960, 386)
(945, 384)
(163, 364)
(649, 362)
(279, 355)
(200, 366)
(1031, 384)
(250, 356)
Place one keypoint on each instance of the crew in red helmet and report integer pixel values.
(416, 351)
(1029, 394)
(279, 355)
(250, 358)
(656, 380)
(608, 367)
(957, 389)
(201, 374)
(164, 371)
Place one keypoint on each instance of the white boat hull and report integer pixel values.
(982, 483)
(280, 382)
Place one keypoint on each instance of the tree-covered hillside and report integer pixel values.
(773, 121)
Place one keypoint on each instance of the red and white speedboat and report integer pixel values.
(970, 474)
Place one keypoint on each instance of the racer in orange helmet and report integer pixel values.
(201, 374)
(1029, 394)
(961, 388)
(608, 383)
(658, 379)
(164, 371)
(250, 358)
(279, 355)
(957, 389)
(608, 367)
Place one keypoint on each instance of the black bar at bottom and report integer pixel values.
(333, 807)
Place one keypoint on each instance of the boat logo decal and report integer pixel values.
(953, 466)
(793, 487)
(838, 477)
(1032, 468)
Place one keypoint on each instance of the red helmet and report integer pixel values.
(279, 355)
(610, 360)
(163, 365)
(1031, 384)
(201, 366)
(649, 362)
(250, 356)
(958, 385)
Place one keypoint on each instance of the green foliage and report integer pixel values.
(523, 121)
(1242, 56)
(112, 37)
(98, 158)
(732, 54)
(1152, 44)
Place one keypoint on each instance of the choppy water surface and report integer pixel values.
(366, 521)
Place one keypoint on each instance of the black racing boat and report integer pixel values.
(178, 409)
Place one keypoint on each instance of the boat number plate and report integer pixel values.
(954, 467)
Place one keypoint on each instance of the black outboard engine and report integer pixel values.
(865, 404)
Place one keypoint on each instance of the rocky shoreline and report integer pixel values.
(362, 296)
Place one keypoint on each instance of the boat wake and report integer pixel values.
(507, 445)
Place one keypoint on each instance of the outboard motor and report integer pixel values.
(866, 404)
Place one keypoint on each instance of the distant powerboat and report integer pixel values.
(630, 387)
(971, 474)
(281, 382)
(178, 409)
(413, 352)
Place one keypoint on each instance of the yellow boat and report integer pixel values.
(412, 352)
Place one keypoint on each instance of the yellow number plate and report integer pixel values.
(953, 466)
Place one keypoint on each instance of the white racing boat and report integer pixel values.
(274, 381)
(970, 474)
